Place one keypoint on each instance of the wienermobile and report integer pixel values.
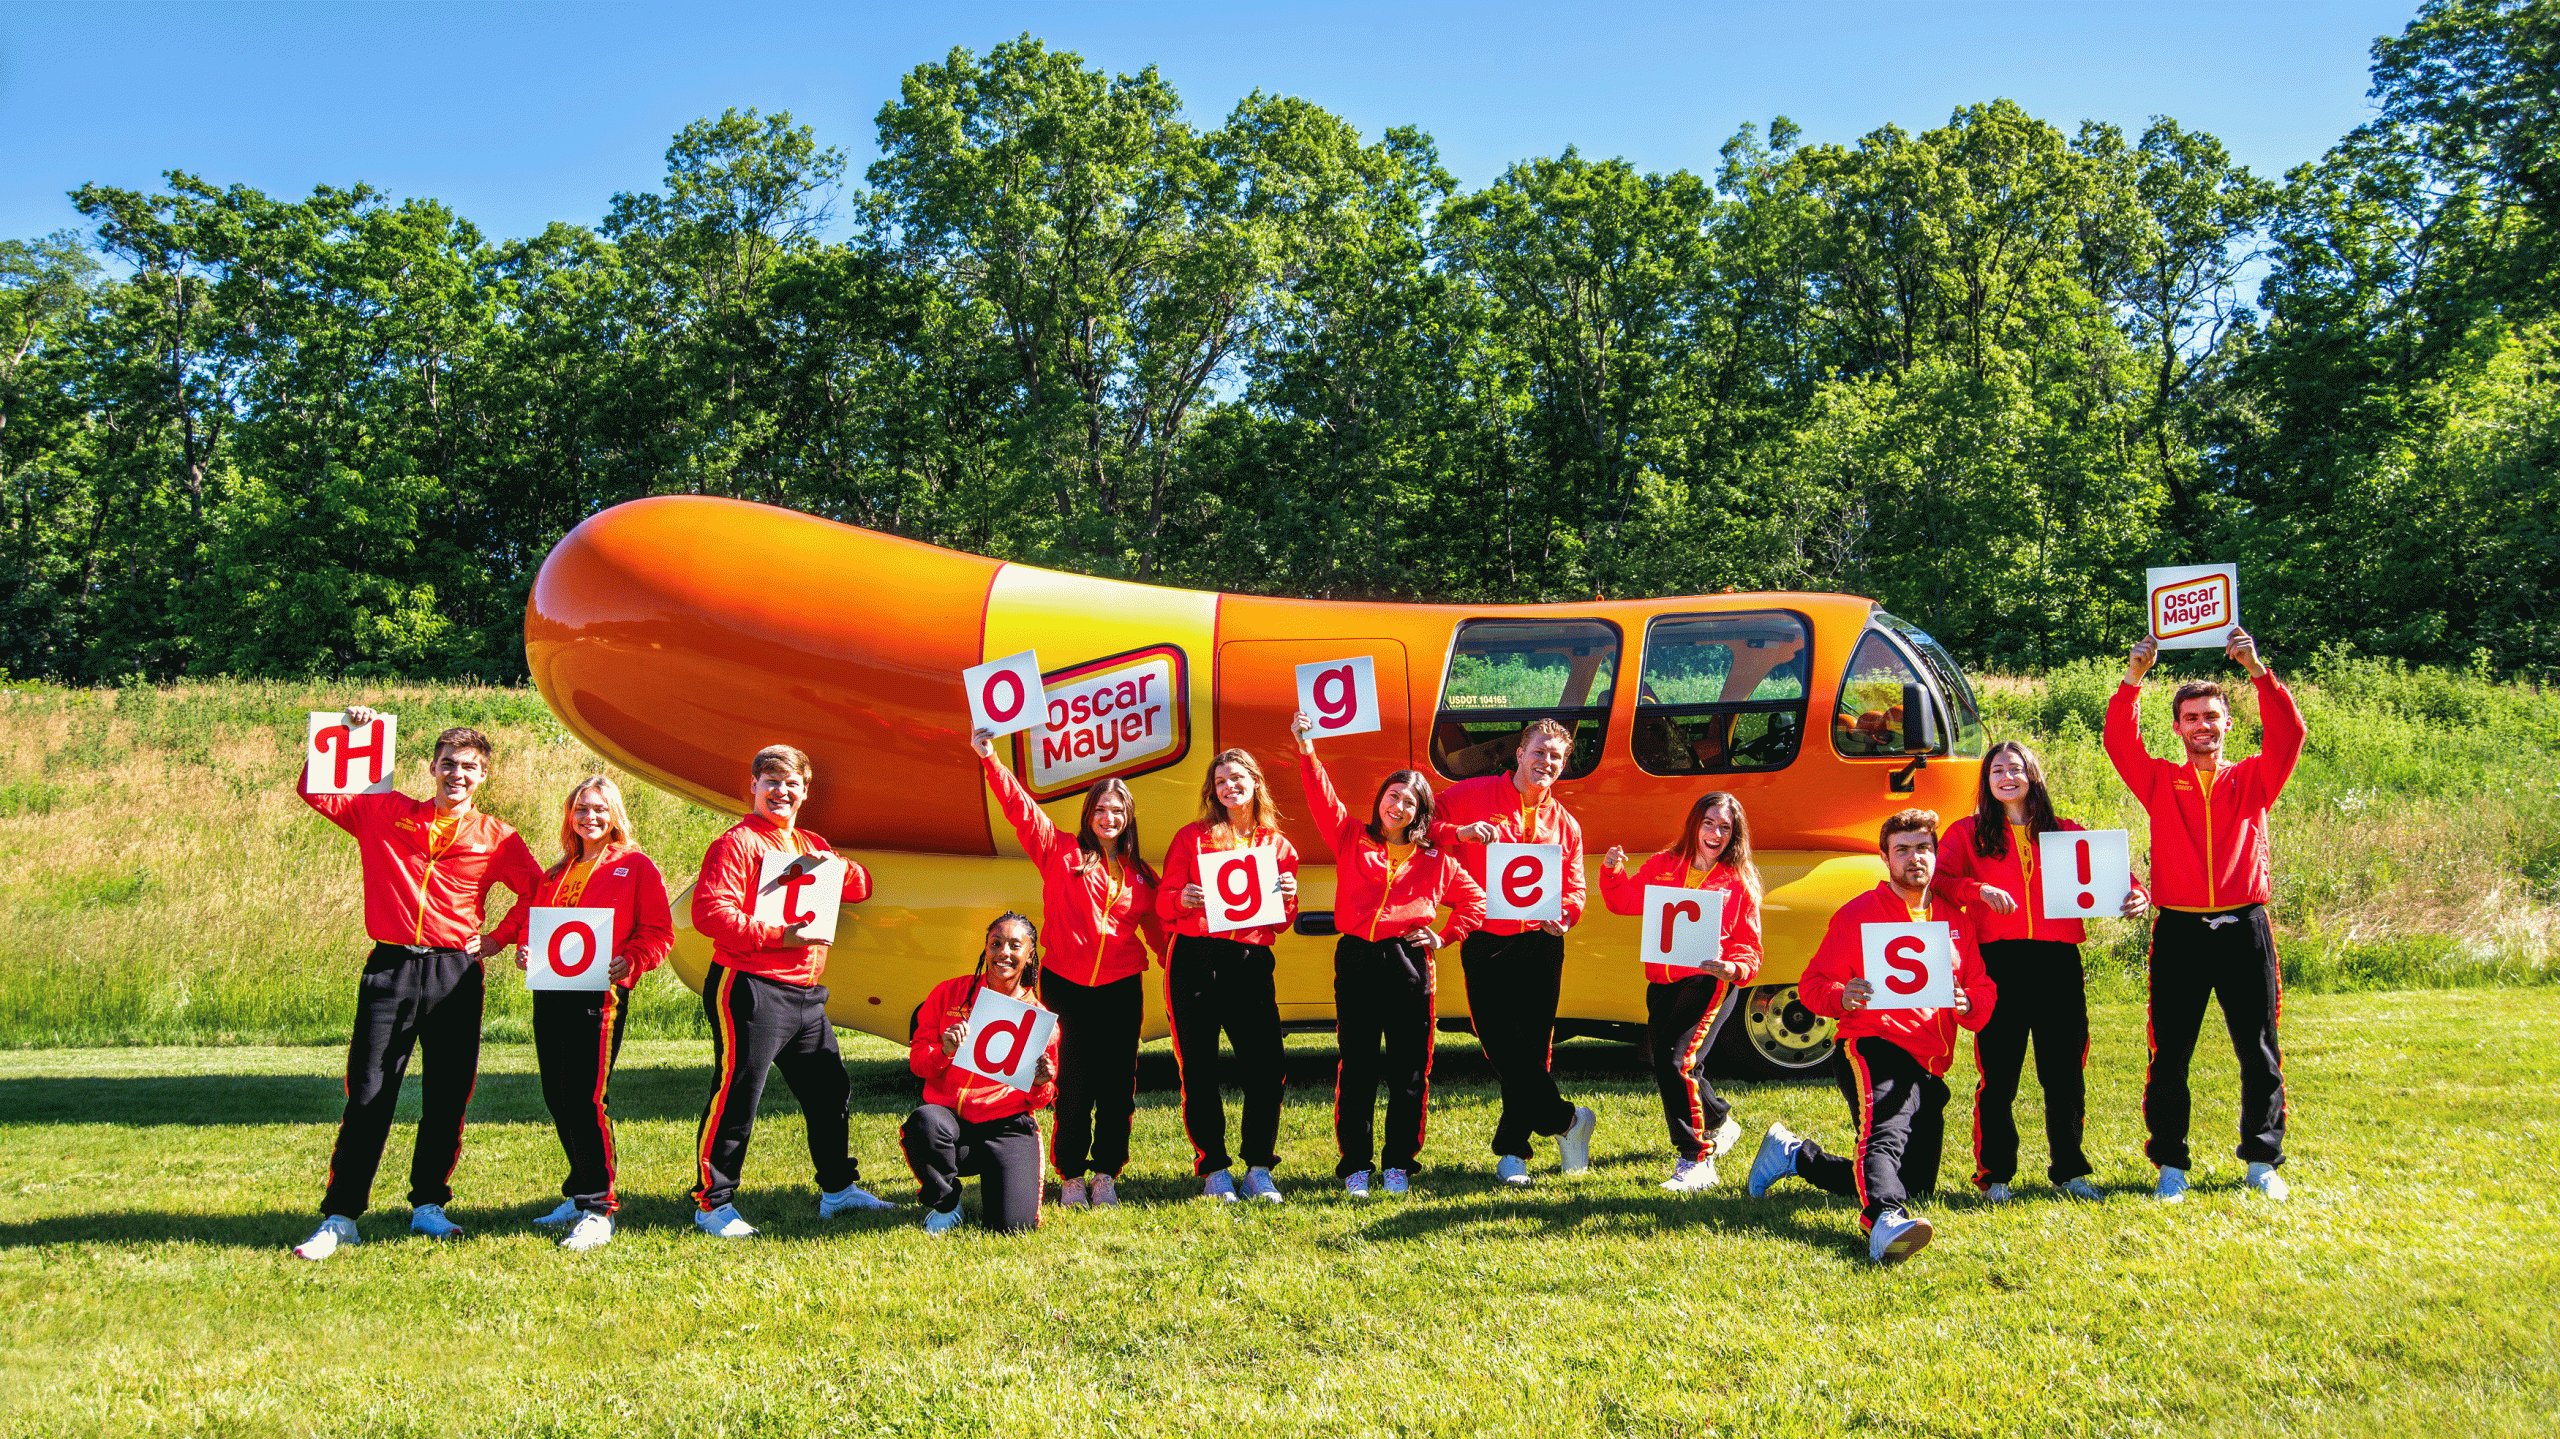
(679, 634)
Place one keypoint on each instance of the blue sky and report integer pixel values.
(519, 114)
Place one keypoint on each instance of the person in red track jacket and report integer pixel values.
(1685, 1008)
(1987, 861)
(970, 1124)
(1515, 968)
(1389, 885)
(1223, 979)
(1893, 1062)
(577, 1034)
(1098, 899)
(2210, 877)
(428, 868)
(765, 1004)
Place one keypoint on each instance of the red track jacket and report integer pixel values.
(1928, 1034)
(1095, 927)
(415, 895)
(1624, 894)
(1492, 797)
(1371, 898)
(2209, 846)
(625, 881)
(724, 901)
(1182, 867)
(976, 1097)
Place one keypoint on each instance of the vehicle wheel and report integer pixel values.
(1773, 1036)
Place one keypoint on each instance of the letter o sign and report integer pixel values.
(586, 938)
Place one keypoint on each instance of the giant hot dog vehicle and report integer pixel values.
(678, 635)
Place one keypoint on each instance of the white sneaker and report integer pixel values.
(942, 1221)
(1221, 1187)
(2173, 1187)
(1573, 1147)
(592, 1231)
(1775, 1161)
(723, 1223)
(1257, 1183)
(1071, 1193)
(1996, 1193)
(1398, 1181)
(1691, 1175)
(852, 1196)
(1105, 1192)
(1727, 1136)
(1897, 1236)
(1356, 1184)
(566, 1214)
(2264, 1179)
(1511, 1169)
(334, 1231)
(2081, 1188)
(429, 1220)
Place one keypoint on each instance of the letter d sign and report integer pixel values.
(1005, 695)
(1004, 1039)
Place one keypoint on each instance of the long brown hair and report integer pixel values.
(1991, 817)
(617, 829)
(1737, 845)
(1412, 780)
(1213, 815)
(1124, 849)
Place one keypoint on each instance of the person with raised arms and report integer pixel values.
(1389, 885)
(1515, 968)
(970, 1124)
(1685, 1008)
(765, 1004)
(1223, 980)
(428, 867)
(1988, 861)
(577, 1033)
(1098, 898)
(1892, 1063)
(2210, 878)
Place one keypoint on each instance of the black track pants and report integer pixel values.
(1383, 994)
(2043, 1001)
(1682, 1019)
(427, 1000)
(1097, 1071)
(942, 1149)
(1900, 1110)
(2230, 957)
(577, 1035)
(759, 1024)
(1512, 982)
(1212, 984)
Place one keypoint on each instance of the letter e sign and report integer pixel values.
(1912, 966)
(1242, 887)
(1005, 695)
(339, 760)
(568, 948)
(800, 889)
(1004, 1039)
(1524, 881)
(1342, 695)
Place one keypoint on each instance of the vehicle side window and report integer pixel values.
(1868, 719)
(1722, 693)
(1505, 675)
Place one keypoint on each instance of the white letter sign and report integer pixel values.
(1341, 694)
(2193, 607)
(1912, 966)
(1242, 887)
(2085, 872)
(1004, 695)
(1683, 928)
(1004, 1039)
(1524, 881)
(338, 760)
(800, 889)
(568, 948)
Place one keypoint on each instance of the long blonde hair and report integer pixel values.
(617, 828)
(1213, 815)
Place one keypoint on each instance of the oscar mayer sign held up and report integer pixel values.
(1120, 716)
(2193, 607)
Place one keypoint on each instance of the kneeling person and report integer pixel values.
(1892, 1062)
(970, 1124)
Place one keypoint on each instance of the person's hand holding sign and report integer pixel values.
(951, 1036)
(356, 716)
(1045, 1071)
(2138, 662)
(1854, 995)
(1302, 726)
(2244, 652)
(983, 740)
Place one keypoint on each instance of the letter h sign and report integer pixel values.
(340, 760)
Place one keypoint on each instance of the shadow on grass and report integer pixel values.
(1465, 1201)
(782, 1214)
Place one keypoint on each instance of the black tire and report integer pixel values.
(1771, 1035)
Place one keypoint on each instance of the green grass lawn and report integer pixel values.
(2409, 1287)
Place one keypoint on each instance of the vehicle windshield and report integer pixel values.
(1964, 722)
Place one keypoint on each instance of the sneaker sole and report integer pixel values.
(1913, 1240)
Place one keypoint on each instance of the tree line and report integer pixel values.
(1985, 372)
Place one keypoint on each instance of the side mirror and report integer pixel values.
(1919, 721)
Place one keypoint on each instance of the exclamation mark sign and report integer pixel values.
(2088, 897)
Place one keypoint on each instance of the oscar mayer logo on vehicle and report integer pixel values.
(2185, 608)
(1120, 716)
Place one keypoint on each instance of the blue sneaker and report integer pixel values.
(2173, 1186)
(1776, 1159)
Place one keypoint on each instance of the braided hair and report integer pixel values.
(1030, 972)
